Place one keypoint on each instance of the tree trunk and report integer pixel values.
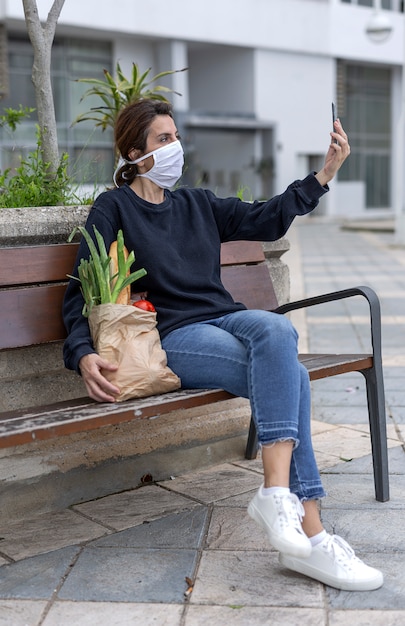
(41, 37)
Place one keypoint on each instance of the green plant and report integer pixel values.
(31, 184)
(242, 192)
(117, 92)
(12, 117)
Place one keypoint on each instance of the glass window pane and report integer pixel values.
(71, 59)
(377, 173)
(366, 115)
(92, 165)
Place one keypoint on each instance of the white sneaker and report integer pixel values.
(334, 563)
(280, 515)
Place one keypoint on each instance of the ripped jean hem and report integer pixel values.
(312, 493)
(270, 444)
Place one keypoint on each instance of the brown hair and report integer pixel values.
(131, 132)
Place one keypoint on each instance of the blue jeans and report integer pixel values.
(254, 354)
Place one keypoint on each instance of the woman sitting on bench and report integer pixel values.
(212, 341)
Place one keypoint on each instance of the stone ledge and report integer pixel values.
(35, 225)
(54, 474)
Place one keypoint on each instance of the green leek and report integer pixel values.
(97, 285)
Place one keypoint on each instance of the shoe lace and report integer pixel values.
(291, 510)
(341, 551)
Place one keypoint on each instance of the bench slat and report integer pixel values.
(48, 423)
(239, 252)
(250, 284)
(325, 365)
(48, 263)
(31, 315)
(36, 264)
(65, 418)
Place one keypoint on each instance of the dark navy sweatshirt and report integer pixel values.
(178, 243)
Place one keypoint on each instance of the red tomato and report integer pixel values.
(145, 305)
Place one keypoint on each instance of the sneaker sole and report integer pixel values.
(280, 544)
(331, 581)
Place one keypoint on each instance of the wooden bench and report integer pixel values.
(32, 284)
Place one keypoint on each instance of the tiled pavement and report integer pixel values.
(184, 552)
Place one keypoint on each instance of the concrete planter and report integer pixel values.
(35, 225)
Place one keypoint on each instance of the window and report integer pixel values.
(90, 150)
(389, 5)
(364, 106)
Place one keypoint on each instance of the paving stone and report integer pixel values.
(394, 378)
(392, 434)
(113, 614)
(349, 443)
(368, 618)
(339, 383)
(21, 612)
(215, 483)
(124, 510)
(344, 443)
(357, 491)
(396, 460)
(341, 414)
(129, 575)
(37, 577)
(398, 415)
(232, 528)
(402, 432)
(240, 500)
(395, 397)
(364, 465)
(390, 596)
(367, 530)
(179, 530)
(46, 533)
(254, 465)
(325, 460)
(318, 427)
(253, 616)
(349, 396)
(250, 579)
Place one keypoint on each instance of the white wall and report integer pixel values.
(295, 91)
(222, 79)
(310, 26)
(306, 25)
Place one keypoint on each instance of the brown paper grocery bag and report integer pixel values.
(128, 336)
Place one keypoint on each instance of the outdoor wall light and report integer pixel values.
(379, 27)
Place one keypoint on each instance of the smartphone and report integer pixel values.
(334, 117)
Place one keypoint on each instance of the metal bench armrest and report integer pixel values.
(366, 292)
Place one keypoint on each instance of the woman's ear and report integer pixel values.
(133, 154)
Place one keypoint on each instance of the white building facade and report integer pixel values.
(255, 106)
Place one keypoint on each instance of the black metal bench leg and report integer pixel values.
(378, 431)
(252, 445)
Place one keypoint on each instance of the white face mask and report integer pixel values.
(167, 167)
